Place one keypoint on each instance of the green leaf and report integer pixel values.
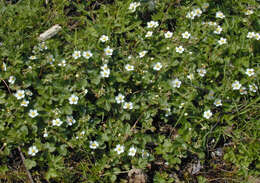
(30, 164)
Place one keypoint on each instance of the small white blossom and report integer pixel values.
(207, 114)
(191, 15)
(142, 53)
(218, 102)
(133, 6)
(11, 79)
(222, 41)
(152, 24)
(128, 105)
(157, 66)
(104, 38)
(219, 14)
(19, 94)
(108, 51)
(205, 6)
(105, 73)
(119, 149)
(176, 83)
(168, 34)
(24, 103)
(33, 113)
(70, 120)
(250, 72)
(93, 144)
(218, 30)
(32, 57)
(186, 35)
(50, 59)
(33, 150)
(132, 151)
(250, 35)
(73, 99)
(145, 154)
(257, 36)
(120, 98)
(197, 12)
(201, 72)
(56, 122)
(76, 54)
(87, 54)
(249, 12)
(149, 34)
(3, 67)
(28, 92)
(42, 46)
(129, 67)
(105, 67)
(253, 88)
(236, 85)
(179, 49)
(190, 76)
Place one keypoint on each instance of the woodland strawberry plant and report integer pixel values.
(167, 87)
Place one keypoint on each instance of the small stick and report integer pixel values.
(7, 86)
(49, 33)
(27, 171)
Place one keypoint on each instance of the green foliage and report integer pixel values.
(169, 112)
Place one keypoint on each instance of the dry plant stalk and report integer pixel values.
(49, 33)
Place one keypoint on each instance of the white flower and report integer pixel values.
(105, 73)
(45, 135)
(176, 83)
(250, 72)
(152, 24)
(219, 14)
(191, 15)
(85, 91)
(243, 91)
(149, 34)
(42, 46)
(145, 154)
(190, 76)
(119, 149)
(70, 120)
(132, 151)
(207, 114)
(205, 6)
(76, 54)
(236, 85)
(28, 92)
(50, 59)
(168, 34)
(129, 67)
(218, 102)
(133, 6)
(218, 30)
(249, 12)
(222, 41)
(105, 67)
(186, 35)
(257, 36)
(197, 12)
(93, 144)
(128, 105)
(32, 57)
(179, 49)
(120, 98)
(157, 66)
(87, 54)
(24, 103)
(33, 150)
(62, 63)
(142, 53)
(201, 72)
(253, 88)
(103, 38)
(73, 99)
(250, 35)
(108, 51)
(33, 113)
(56, 122)
(19, 94)
(11, 79)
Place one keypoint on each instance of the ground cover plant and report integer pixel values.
(130, 91)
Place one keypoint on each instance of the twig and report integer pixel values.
(7, 86)
(27, 171)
